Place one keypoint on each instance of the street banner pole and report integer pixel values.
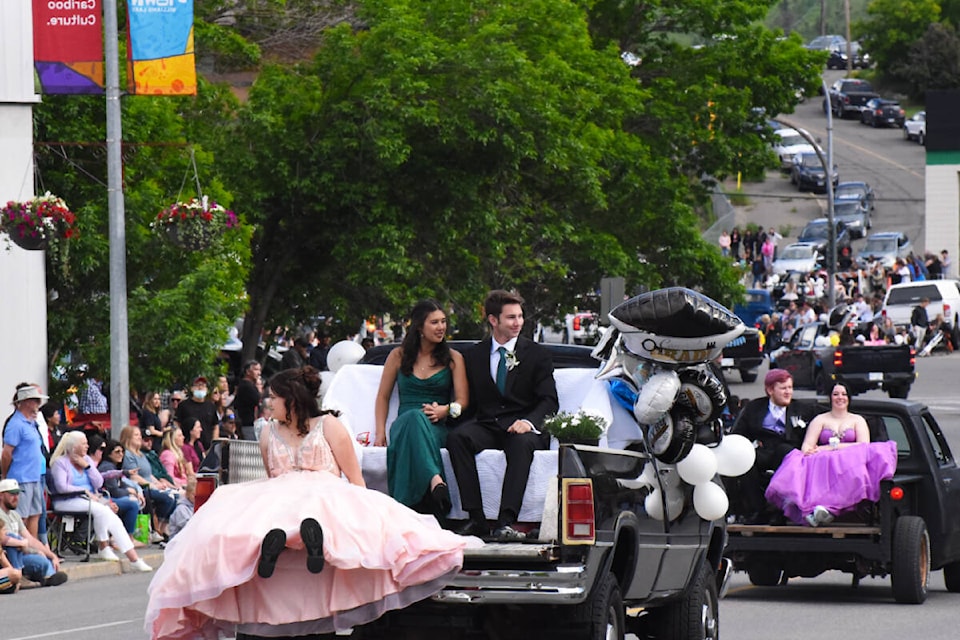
(119, 354)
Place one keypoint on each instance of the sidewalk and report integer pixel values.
(77, 569)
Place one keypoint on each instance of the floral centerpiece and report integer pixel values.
(580, 427)
(38, 222)
(196, 224)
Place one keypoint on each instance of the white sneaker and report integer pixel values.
(821, 515)
(141, 566)
(155, 537)
(107, 554)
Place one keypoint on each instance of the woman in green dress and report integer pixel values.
(425, 370)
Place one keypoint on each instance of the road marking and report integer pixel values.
(880, 157)
(75, 629)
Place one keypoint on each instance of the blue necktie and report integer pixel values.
(502, 370)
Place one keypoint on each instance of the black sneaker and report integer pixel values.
(55, 580)
(273, 543)
(312, 536)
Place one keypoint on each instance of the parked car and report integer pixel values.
(944, 296)
(838, 57)
(582, 327)
(817, 233)
(850, 213)
(848, 95)
(882, 112)
(808, 173)
(798, 257)
(756, 303)
(885, 246)
(827, 43)
(915, 127)
(859, 191)
(788, 145)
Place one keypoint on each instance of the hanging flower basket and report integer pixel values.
(37, 223)
(195, 225)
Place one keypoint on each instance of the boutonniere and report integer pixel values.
(798, 422)
(512, 360)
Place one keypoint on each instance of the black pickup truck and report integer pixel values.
(912, 530)
(600, 565)
(848, 95)
(814, 363)
(745, 354)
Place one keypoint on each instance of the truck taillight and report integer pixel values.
(837, 359)
(577, 522)
(946, 310)
(205, 487)
(576, 323)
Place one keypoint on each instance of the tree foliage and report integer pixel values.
(933, 61)
(891, 27)
(451, 147)
(180, 304)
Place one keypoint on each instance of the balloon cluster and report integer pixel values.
(656, 357)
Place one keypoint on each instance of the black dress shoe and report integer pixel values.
(312, 536)
(472, 528)
(273, 543)
(441, 499)
(506, 533)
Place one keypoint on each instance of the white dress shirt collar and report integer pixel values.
(510, 344)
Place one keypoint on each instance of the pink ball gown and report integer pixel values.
(379, 555)
(837, 480)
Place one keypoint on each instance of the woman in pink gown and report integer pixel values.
(835, 468)
(302, 552)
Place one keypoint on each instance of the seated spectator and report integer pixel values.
(190, 453)
(228, 428)
(125, 493)
(153, 457)
(9, 576)
(160, 499)
(26, 553)
(73, 471)
(195, 442)
(172, 458)
(184, 509)
(836, 468)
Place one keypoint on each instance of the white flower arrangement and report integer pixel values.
(512, 360)
(565, 426)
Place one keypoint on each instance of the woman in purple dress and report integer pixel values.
(835, 468)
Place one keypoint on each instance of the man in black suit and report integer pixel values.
(511, 392)
(776, 425)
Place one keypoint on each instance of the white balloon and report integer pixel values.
(710, 501)
(735, 455)
(656, 397)
(674, 504)
(653, 503)
(649, 476)
(344, 352)
(699, 466)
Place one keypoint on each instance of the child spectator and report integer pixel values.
(184, 509)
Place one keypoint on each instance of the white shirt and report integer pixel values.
(778, 412)
(510, 345)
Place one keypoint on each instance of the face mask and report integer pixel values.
(199, 394)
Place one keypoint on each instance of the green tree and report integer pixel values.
(891, 27)
(180, 303)
(933, 61)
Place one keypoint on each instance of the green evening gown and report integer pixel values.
(413, 453)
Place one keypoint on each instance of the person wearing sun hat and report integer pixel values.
(23, 456)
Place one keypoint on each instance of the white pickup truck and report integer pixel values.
(944, 298)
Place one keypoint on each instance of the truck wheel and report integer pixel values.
(911, 560)
(696, 616)
(748, 375)
(764, 575)
(901, 391)
(921, 138)
(606, 611)
(951, 576)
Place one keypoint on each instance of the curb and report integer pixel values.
(76, 569)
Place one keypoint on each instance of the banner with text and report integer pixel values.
(160, 47)
(68, 46)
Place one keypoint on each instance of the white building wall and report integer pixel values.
(23, 305)
(942, 219)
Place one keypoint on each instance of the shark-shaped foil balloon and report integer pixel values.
(656, 356)
(659, 345)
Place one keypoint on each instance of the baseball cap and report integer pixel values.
(199, 380)
(29, 393)
(9, 486)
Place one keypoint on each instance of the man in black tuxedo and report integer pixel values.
(511, 392)
(776, 425)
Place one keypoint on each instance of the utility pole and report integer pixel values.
(846, 17)
(119, 348)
